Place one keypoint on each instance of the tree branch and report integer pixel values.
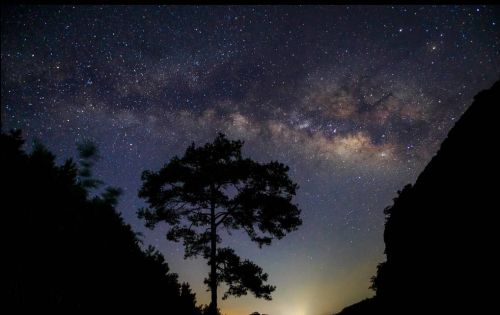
(226, 214)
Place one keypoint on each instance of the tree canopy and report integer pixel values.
(70, 252)
(213, 188)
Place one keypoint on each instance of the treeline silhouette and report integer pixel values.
(441, 234)
(67, 250)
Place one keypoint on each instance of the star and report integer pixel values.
(353, 107)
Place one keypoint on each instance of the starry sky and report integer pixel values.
(355, 99)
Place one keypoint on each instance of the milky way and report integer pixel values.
(356, 100)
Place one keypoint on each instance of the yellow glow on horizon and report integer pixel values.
(300, 311)
(302, 288)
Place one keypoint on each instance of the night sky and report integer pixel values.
(356, 100)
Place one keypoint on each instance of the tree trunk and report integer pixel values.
(213, 263)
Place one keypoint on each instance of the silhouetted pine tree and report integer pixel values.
(212, 188)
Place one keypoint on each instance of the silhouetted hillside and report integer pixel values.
(68, 252)
(441, 233)
(367, 306)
